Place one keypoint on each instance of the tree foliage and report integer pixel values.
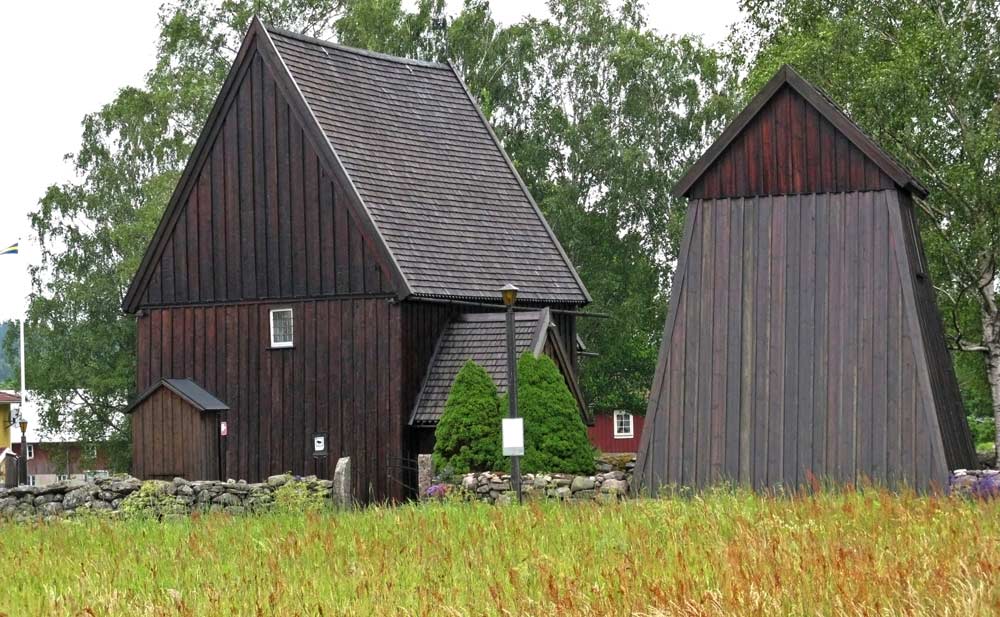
(923, 78)
(467, 437)
(555, 438)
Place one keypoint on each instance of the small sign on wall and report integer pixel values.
(319, 444)
(513, 436)
(223, 428)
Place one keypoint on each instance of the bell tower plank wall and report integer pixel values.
(802, 338)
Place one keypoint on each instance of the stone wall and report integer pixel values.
(983, 483)
(128, 496)
(494, 487)
(125, 495)
(610, 482)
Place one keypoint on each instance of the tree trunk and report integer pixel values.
(993, 376)
(991, 340)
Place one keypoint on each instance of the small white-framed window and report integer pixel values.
(62, 476)
(31, 451)
(31, 480)
(623, 425)
(282, 327)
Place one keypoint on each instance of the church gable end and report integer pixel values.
(258, 215)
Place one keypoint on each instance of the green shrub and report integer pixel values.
(555, 438)
(152, 501)
(295, 497)
(467, 437)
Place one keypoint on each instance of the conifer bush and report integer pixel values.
(467, 437)
(555, 438)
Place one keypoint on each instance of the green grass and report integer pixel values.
(723, 553)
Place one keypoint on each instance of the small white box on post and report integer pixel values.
(513, 436)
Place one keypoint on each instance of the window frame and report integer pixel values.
(30, 451)
(281, 344)
(631, 425)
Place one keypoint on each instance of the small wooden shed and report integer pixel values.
(802, 337)
(176, 428)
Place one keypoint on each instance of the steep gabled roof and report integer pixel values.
(425, 175)
(195, 395)
(482, 338)
(446, 199)
(787, 76)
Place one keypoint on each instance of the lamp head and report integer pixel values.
(24, 426)
(509, 294)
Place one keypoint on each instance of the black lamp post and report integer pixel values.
(23, 466)
(509, 294)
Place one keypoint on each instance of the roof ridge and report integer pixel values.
(354, 50)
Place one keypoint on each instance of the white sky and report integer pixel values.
(83, 52)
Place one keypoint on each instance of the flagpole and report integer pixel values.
(23, 391)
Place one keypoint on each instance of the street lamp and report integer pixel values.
(509, 294)
(23, 467)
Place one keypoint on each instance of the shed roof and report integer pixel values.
(9, 397)
(787, 76)
(195, 395)
(482, 338)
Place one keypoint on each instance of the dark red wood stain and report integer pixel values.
(182, 441)
(602, 434)
(772, 154)
(254, 226)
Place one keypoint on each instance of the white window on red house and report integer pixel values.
(31, 480)
(623, 425)
(31, 451)
(282, 328)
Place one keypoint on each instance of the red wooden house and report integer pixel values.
(340, 211)
(616, 432)
(802, 336)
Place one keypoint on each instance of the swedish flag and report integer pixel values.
(10, 250)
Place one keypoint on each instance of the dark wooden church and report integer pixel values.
(802, 338)
(341, 211)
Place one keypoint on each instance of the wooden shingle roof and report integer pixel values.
(482, 338)
(195, 395)
(431, 174)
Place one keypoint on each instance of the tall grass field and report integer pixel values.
(723, 553)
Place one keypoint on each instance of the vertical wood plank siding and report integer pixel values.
(261, 221)
(798, 357)
(181, 440)
(789, 148)
(342, 376)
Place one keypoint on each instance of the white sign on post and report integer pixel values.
(513, 436)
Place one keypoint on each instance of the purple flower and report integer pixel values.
(437, 490)
(987, 487)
